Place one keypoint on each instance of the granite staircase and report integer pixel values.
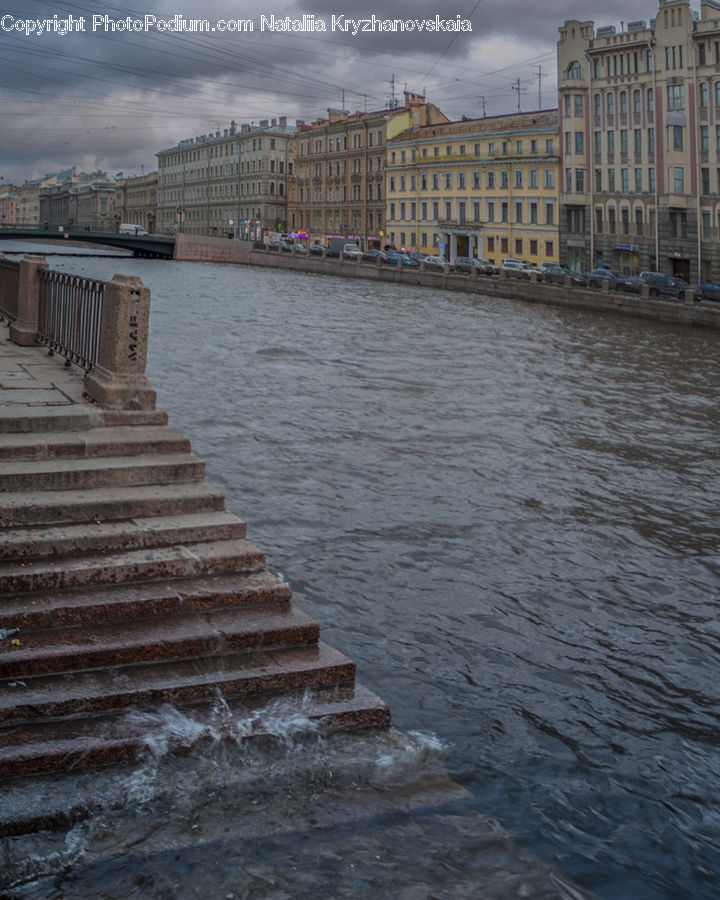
(133, 588)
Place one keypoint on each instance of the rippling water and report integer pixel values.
(507, 514)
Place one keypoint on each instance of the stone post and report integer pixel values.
(118, 380)
(23, 331)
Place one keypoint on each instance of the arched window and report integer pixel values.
(623, 102)
(637, 100)
(597, 101)
(574, 70)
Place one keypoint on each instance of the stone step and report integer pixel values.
(136, 565)
(80, 474)
(183, 636)
(108, 441)
(52, 541)
(117, 603)
(20, 418)
(106, 503)
(251, 675)
(54, 746)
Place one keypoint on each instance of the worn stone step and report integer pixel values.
(106, 503)
(20, 418)
(116, 603)
(251, 675)
(51, 541)
(181, 636)
(136, 565)
(61, 745)
(107, 441)
(80, 474)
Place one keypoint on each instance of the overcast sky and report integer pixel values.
(110, 100)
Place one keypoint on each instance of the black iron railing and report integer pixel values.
(9, 282)
(69, 316)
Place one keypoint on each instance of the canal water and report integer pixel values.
(507, 515)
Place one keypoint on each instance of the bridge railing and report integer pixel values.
(101, 326)
(70, 316)
(9, 279)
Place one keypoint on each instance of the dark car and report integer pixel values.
(404, 259)
(597, 277)
(374, 256)
(317, 250)
(660, 285)
(437, 263)
(557, 274)
(300, 248)
(470, 264)
(333, 253)
(630, 284)
(709, 291)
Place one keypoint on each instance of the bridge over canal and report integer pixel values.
(152, 246)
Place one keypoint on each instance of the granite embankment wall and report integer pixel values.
(196, 248)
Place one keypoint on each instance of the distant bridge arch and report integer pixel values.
(152, 246)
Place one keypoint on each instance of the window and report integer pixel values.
(651, 140)
(518, 246)
(436, 181)
(679, 180)
(505, 147)
(623, 141)
(519, 211)
(705, 179)
(598, 181)
(550, 146)
(461, 180)
(549, 212)
(611, 180)
(610, 100)
(424, 210)
(491, 179)
(518, 146)
(403, 182)
(651, 179)
(533, 212)
(638, 220)
(638, 181)
(580, 180)
(549, 178)
(578, 104)
(612, 228)
(637, 135)
(491, 148)
(504, 180)
(518, 178)
(650, 100)
(637, 101)
(548, 248)
(448, 181)
(491, 210)
(717, 93)
(623, 103)
(568, 143)
(574, 70)
(533, 146)
(392, 184)
(611, 143)
(598, 143)
(597, 104)
(704, 94)
(676, 96)
(677, 137)
(579, 135)
(476, 210)
(706, 226)
(704, 137)
(504, 211)
(568, 101)
(598, 220)
(624, 178)
(532, 178)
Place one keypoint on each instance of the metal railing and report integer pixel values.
(9, 284)
(69, 316)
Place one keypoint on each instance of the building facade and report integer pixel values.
(136, 201)
(640, 143)
(88, 203)
(341, 171)
(231, 182)
(478, 187)
(8, 205)
(28, 195)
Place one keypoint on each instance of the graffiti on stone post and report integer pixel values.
(132, 347)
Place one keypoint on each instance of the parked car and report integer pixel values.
(331, 252)
(708, 291)
(630, 284)
(352, 251)
(471, 263)
(665, 285)
(515, 268)
(434, 262)
(137, 230)
(597, 277)
(374, 256)
(317, 250)
(404, 259)
(556, 274)
(300, 248)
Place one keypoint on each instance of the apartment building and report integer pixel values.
(640, 142)
(235, 181)
(477, 187)
(87, 201)
(136, 200)
(340, 171)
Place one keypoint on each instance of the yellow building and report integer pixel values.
(478, 187)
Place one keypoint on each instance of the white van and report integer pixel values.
(137, 230)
